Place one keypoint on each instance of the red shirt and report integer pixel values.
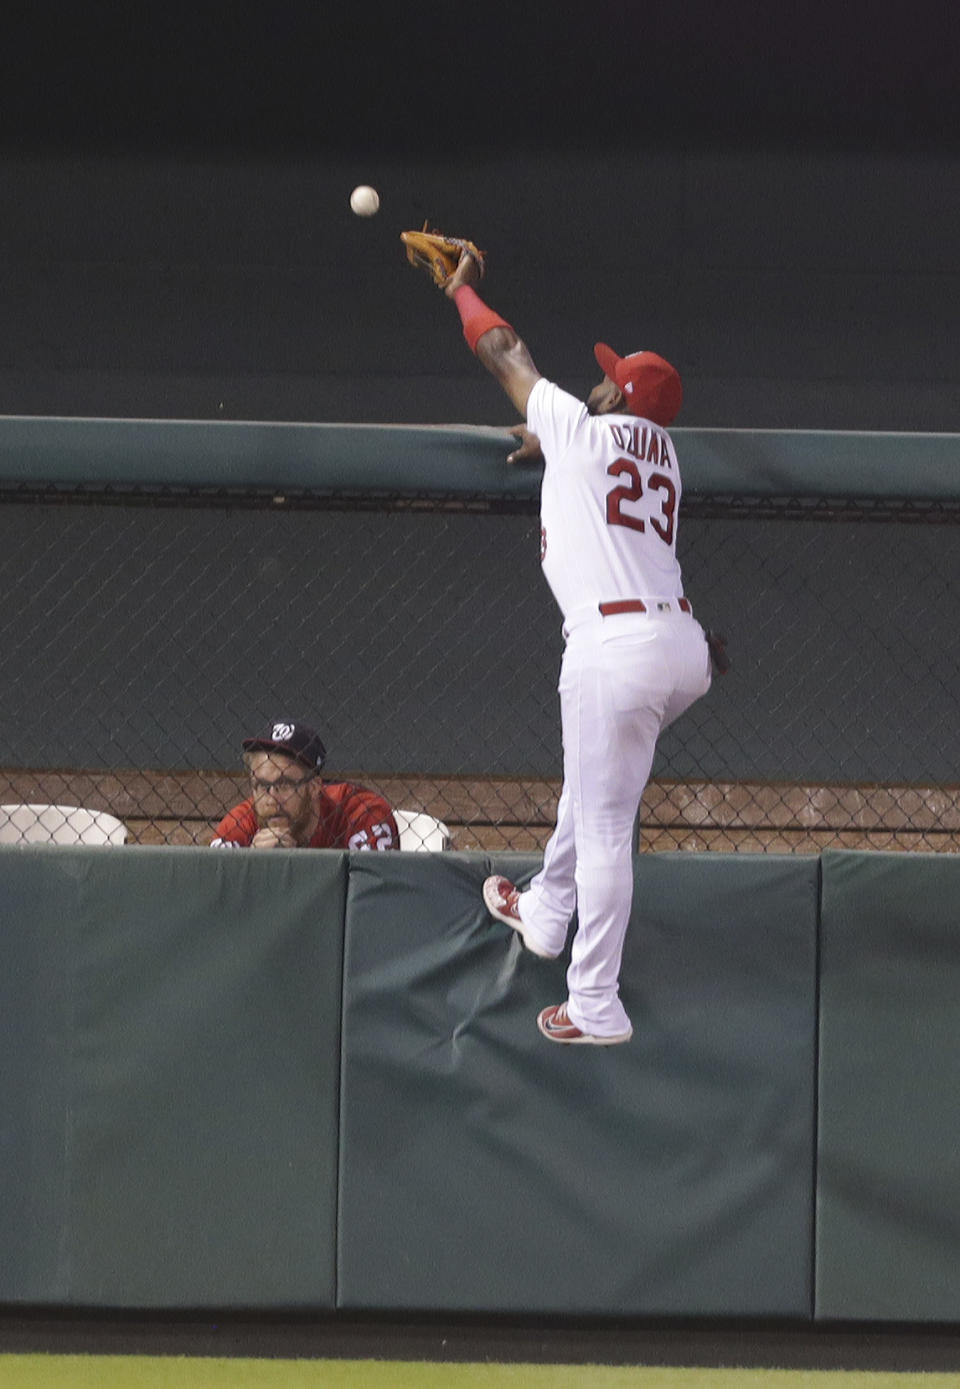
(351, 817)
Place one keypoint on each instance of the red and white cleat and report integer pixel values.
(554, 1022)
(501, 899)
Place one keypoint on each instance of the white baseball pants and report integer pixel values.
(623, 678)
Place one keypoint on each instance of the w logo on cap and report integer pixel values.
(281, 732)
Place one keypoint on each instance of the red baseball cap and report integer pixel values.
(650, 385)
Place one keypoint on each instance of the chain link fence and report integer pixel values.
(146, 633)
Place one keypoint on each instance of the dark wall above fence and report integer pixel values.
(796, 285)
(424, 640)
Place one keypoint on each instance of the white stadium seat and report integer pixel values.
(419, 831)
(59, 824)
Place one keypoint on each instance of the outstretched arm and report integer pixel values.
(495, 343)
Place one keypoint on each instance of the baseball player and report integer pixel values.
(634, 659)
(291, 808)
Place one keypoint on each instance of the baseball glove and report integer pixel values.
(438, 254)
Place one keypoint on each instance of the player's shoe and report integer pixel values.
(554, 1022)
(501, 899)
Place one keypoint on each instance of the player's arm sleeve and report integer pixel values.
(555, 416)
(370, 823)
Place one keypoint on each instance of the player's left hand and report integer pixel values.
(468, 272)
(529, 450)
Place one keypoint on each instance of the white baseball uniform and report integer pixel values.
(608, 511)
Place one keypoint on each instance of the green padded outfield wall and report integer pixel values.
(484, 1170)
(171, 1080)
(171, 1071)
(171, 1022)
(888, 1183)
(38, 927)
(464, 459)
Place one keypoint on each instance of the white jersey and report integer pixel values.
(608, 504)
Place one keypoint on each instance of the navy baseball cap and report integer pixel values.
(294, 739)
(651, 386)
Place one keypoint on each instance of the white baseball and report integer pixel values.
(364, 200)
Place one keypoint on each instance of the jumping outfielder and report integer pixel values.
(635, 657)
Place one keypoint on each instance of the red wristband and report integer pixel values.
(476, 317)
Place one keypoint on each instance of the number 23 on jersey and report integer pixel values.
(631, 490)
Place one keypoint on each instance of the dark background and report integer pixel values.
(316, 79)
(768, 193)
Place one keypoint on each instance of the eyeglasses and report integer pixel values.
(281, 786)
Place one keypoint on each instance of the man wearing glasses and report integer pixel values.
(290, 807)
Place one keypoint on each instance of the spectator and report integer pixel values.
(290, 807)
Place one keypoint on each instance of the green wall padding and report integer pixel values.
(38, 935)
(484, 1169)
(888, 1187)
(451, 458)
(170, 1083)
(189, 1132)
